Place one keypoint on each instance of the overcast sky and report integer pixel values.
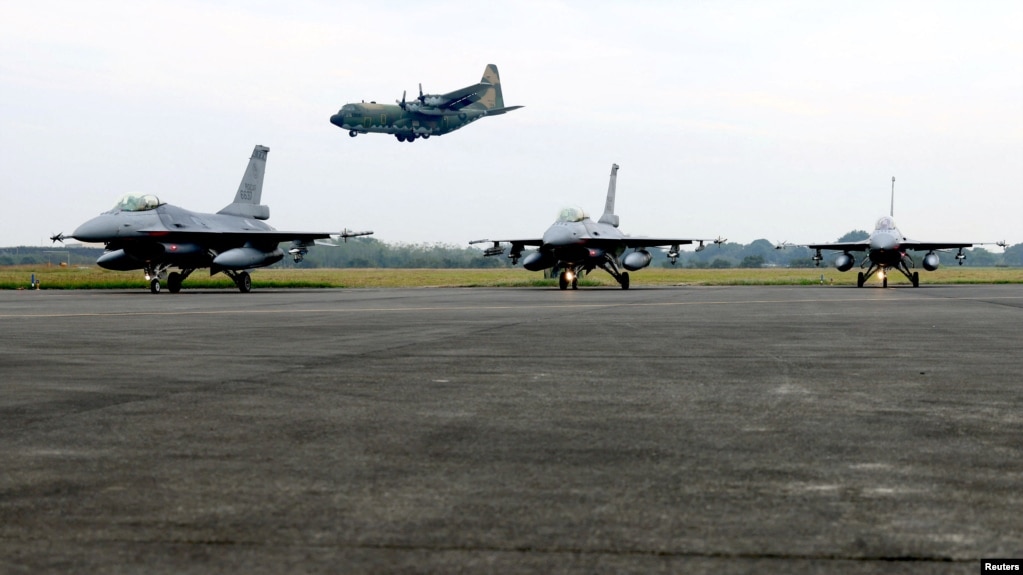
(760, 119)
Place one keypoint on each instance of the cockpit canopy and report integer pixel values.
(885, 223)
(136, 203)
(572, 214)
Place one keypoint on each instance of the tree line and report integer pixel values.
(373, 253)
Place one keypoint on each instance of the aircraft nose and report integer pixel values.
(560, 236)
(885, 242)
(337, 120)
(98, 229)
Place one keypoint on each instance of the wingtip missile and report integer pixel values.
(346, 233)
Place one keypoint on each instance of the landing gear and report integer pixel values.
(860, 279)
(401, 137)
(353, 133)
(243, 281)
(915, 279)
(153, 275)
(174, 282)
(624, 280)
(884, 281)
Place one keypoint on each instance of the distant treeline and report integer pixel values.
(373, 253)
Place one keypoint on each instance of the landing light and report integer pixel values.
(569, 276)
(880, 274)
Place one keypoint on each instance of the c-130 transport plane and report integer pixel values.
(429, 114)
(141, 232)
(576, 244)
(886, 249)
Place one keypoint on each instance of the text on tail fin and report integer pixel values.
(250, 190)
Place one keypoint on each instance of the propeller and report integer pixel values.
(422, 98)
(401, 104)
(59, 237)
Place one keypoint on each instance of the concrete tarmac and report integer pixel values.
(654, 430)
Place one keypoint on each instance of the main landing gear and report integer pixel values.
(241, 280)
(861, 278)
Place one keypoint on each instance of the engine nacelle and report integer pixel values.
(537, 261)
(844, 262)
(931, 261)
(637, 260)
(247, 257)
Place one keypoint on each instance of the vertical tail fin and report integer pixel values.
(609, 216)
(492, 98)
(891, 212)
(250, 190)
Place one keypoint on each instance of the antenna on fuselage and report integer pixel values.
(891, 211)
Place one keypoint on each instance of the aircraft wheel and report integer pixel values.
(244, 282)
(425, 136)
(860, 279)
(154, 285)
(174, 282)
(575, 282)
(884, 281)
(353, 133)
(400, 137)
(562, 281)
(625, 280)
(916, 279)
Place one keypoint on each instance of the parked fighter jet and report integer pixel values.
(429, 114)
(576, 244)
(141, 232)
(886, 248)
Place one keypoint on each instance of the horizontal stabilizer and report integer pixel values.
(499, 111)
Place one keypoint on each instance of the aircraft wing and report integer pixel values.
(928, 246)
(459, 98)
(516, 245)
(657, 242)
(860, 246)
(268, 236)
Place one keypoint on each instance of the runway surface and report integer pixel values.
(695, 429)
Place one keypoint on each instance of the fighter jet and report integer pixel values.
(141, 232)
(886, 249)
(575, 244)
(429, 114)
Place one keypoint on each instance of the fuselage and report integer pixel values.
(579, 242)
(885, 243)
(166, 234)
(392, 119)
